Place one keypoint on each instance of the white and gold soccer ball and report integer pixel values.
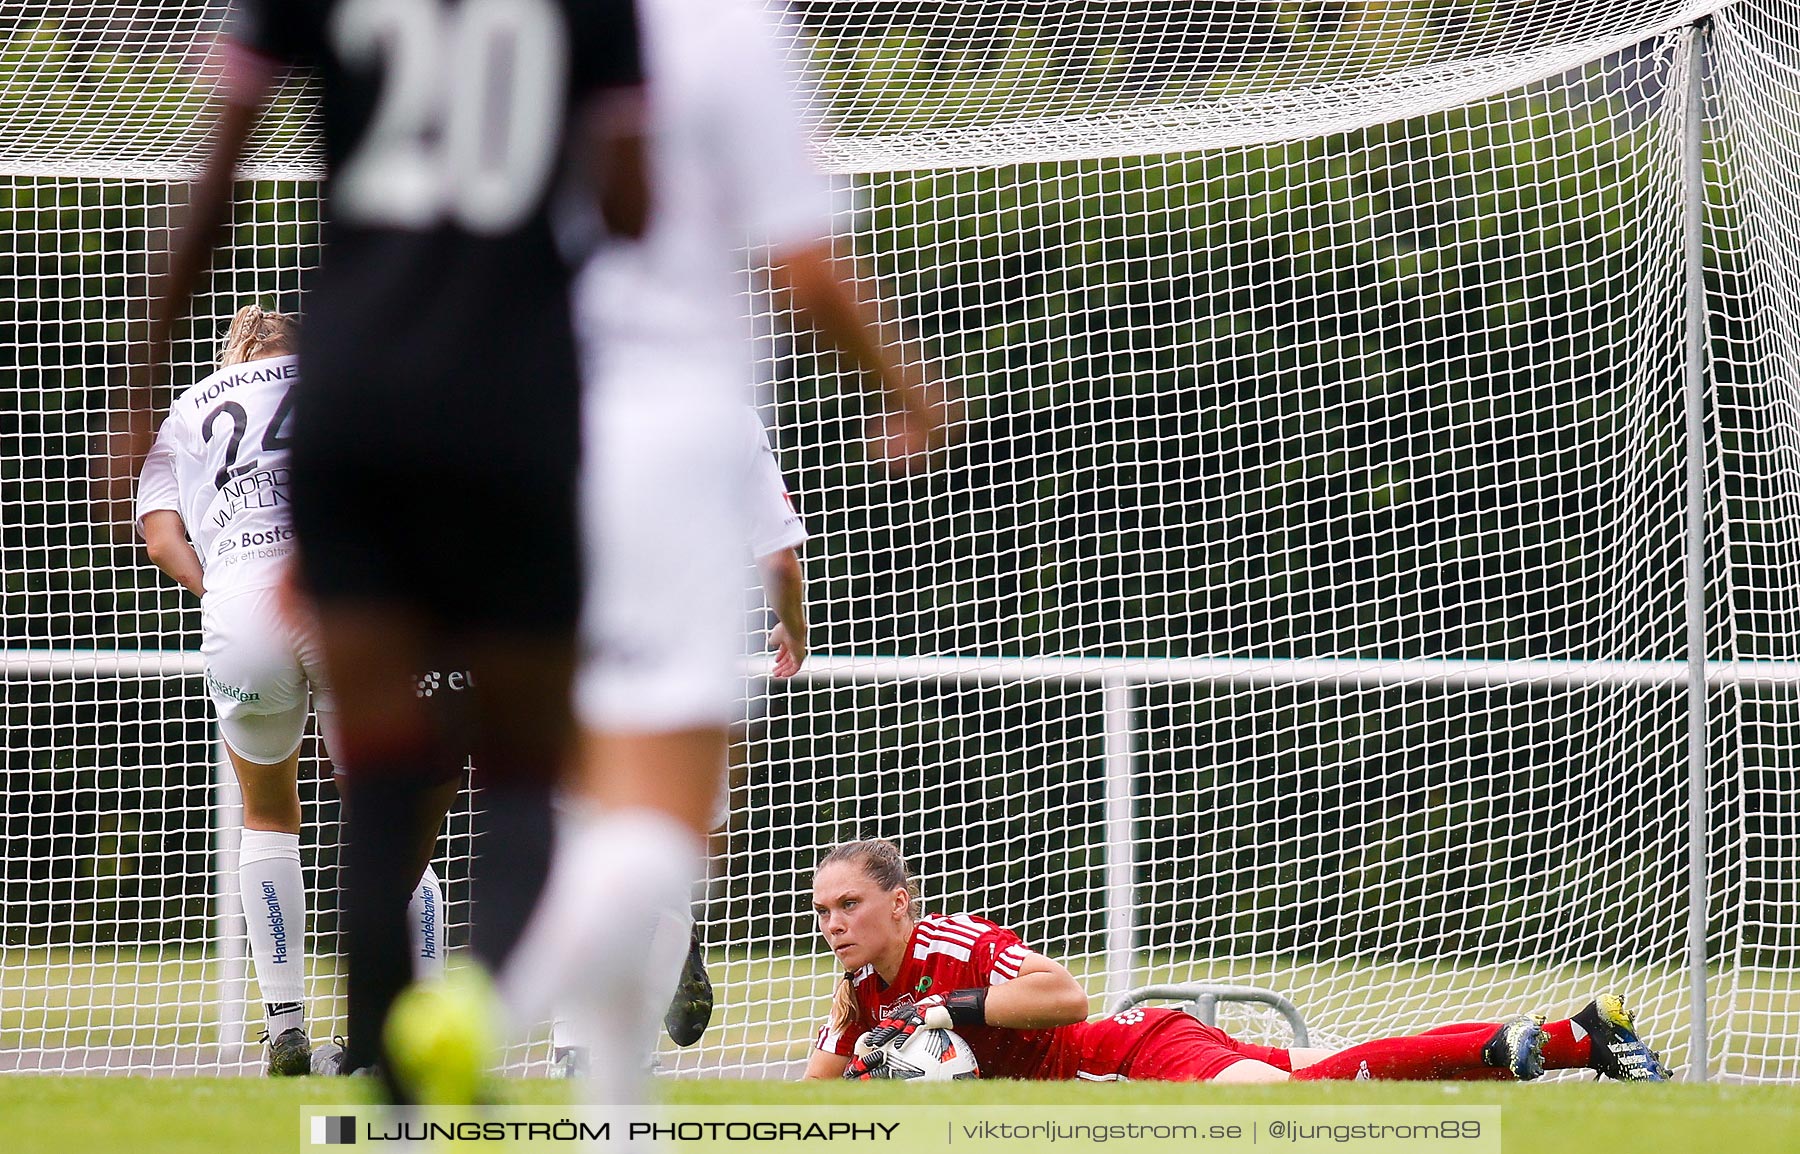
(929, 1056)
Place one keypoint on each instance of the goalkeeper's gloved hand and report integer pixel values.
(933, 1013)
(937, 1012)
(901, 1023)
(864, 1067)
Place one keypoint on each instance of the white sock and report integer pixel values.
(592, 939)
(275, 916)
(663, 964)
(425, 926)
(667, 957)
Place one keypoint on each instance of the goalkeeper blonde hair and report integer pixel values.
(255, 333)
(881, 863)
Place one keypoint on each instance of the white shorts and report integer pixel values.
(260, 672)
(664, 527)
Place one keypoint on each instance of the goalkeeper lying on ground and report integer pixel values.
(1025, 1016)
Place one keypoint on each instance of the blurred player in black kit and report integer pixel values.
(436, 444)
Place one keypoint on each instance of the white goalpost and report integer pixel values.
(1368, 570)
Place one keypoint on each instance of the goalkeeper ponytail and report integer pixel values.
(844, 1015)
(881, 863)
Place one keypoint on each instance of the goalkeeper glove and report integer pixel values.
(901, 1022)
(938, 1012)
(867, 1066)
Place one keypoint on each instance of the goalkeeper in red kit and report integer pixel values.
(1025, 1016)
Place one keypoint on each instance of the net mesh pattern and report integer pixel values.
(1303, 603)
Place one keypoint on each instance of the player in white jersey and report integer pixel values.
(213, 508)
(774, 533)
(666, 362)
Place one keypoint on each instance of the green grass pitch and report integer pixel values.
(41, 1115)
(149, 997)
(67, 996)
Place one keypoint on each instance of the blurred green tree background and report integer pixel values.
(1408, 391)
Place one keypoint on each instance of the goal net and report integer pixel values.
(1366, 406)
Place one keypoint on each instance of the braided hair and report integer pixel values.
(255, 333)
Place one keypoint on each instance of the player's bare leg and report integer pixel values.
(271, 793)
(388, 752)
(427, 941)
(673, 773)
(441, 1036)
(523, 748)
(1249, 1071)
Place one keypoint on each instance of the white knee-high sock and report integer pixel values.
(274, 897)
(662, 969)
(666, 957)
(633, 1013)
(592, 935)
(425, 926)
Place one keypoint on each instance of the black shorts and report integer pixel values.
(450, 492)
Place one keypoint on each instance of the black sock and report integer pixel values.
(512, 862)
(379, 802)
